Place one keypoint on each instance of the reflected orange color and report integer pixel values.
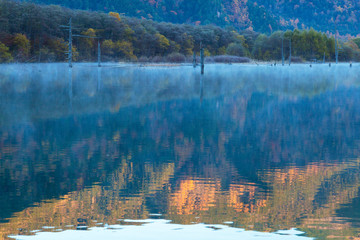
(86, 204)
(242, 201)
(201, 195)
(194, 195)
(240, 192)
(292, 175)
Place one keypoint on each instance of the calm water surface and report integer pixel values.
(241, 150)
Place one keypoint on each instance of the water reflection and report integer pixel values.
(265, 148)
(201, 88)
(70, 89)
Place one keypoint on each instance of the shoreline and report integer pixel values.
(154, 64)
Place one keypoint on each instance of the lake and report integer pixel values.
(162, 152)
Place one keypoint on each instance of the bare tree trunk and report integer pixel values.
(282, 49)
(99, 54)
(70, 44)
(202, 58)
(290, 52)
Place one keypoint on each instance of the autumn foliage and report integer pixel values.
(33, 33)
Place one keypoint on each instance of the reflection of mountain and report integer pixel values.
(258, 153)
(201, 195)
(205, 200)
(50, 91)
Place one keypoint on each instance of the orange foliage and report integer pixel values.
(115, 15)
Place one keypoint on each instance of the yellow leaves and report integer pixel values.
(75, 53)
(207, 53)
(58, 47)
(163, 42)
(125, 48)
(22, 44)
(5, 55)
(90, 32)
(128, 33)
(240, 38)
(107, 47)
(188, 44)
(87, 45)
(115, 15)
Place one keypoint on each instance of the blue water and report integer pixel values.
(260, 148)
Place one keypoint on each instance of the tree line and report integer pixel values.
(33, 33)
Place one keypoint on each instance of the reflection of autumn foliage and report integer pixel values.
(294, 198)
(88, 204)
(262, 156)
(194, 195)
(201, 195)
(297, 174)
(290, 200)
(242, 198)
(299, 193)
(105, 204)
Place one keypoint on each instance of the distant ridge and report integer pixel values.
(260, 15)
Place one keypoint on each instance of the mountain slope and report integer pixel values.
(325, 15)
(260, 15)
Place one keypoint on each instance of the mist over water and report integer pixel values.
(263, 148)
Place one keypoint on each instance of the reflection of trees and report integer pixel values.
(105, 204)
(42, 91)
(150, 147)
(324, 127)
(290, 201)
(194, 196)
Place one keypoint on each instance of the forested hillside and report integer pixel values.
(324, 15)
(261, 15)
(33, 33)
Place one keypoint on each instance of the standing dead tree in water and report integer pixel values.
(99, 51)
(194, 59)
(202, 58)
(69, 52)
(290, 51)
(336, 46)
(99, 54)
(282, 49)
(70, 45)
(336, 50)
